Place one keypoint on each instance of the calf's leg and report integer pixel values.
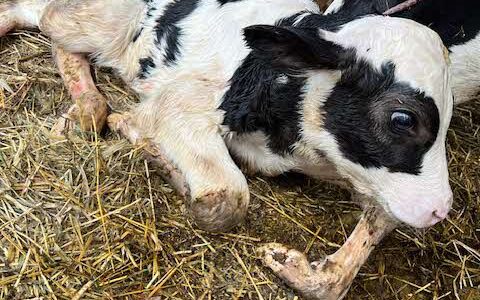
(102, 28)
(196, 162)
(331, 277)
(90, 108)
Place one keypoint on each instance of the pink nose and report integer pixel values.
(440, 214)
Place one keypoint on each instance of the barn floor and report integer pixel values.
(87, 218)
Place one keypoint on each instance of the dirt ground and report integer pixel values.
(87, 218)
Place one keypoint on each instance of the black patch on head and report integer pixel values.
(267, 89)
(358, 114)
(167, 27)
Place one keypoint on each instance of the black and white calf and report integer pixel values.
(276, 86)
(457, 23)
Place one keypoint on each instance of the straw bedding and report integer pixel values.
(86, 217)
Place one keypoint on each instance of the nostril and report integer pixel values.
(440, 214)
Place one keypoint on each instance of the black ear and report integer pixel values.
(295, 48)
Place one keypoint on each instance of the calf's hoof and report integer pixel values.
(219, 211)
(321, 280)
(92, 111)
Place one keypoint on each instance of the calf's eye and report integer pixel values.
(402, 121)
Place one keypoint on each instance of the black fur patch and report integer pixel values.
(358, 111)
(293, 48)
(258, 101)
(267, 89)
(167, 27)
(145, 65)
(137, 34)
(223, 2)
(351, 10)
(167, 32)
(456, 22)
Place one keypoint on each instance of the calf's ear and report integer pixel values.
(294, 48)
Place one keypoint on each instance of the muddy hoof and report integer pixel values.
(219, 211)
(92, 111)
(321, 280)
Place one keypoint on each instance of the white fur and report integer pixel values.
(29, 12)
(212, 36)
(256, 156)
(466, 70)
(334, 6)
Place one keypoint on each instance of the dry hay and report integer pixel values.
(87, 217)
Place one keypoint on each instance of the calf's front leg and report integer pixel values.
(330, 278)
(196, 162)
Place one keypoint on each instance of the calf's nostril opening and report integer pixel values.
(440, 214)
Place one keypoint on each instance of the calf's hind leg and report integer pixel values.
(330, 278)
(90, 108)
(87, 26)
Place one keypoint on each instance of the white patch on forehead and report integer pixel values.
(416, 50)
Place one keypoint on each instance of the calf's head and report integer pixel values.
(376, 102)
